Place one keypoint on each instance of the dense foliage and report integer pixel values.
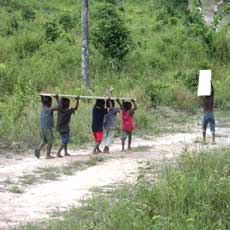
(160, 45)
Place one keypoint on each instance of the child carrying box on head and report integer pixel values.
(127, 123)
(208, 115)
(109, 124)
(46, 126)
(63, 120)
(98, 114)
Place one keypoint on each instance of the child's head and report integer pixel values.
(100, 103)
(65, 103)
(110, 102)
(47, 101)
(127, 105)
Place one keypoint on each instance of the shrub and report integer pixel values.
(67, 22)
(51, 31)
(27, 45)
(28, 14)
(110, 35)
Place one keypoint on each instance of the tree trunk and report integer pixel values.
(85, 44)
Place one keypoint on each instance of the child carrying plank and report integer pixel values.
(109, 124)
(127, 122)
(46, 127)
(98, 113)
(63, 120)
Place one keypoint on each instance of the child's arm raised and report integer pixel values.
(109, 103)
(77, 103)
(119, 103)
(134, 103)
(59, 105)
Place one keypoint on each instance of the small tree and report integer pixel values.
(110, 36)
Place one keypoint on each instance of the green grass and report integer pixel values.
(193, 195)
(157, 70)
(15, 189)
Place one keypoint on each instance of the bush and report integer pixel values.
(27, 45)
(51, 31)
(68, 22)
(110, 35)
(28, 14)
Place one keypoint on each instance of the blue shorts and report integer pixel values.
(65, 138)
(208, 118)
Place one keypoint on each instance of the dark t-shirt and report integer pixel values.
(208, 102)
(63, 120)
(98, 118)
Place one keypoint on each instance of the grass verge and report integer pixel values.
(193, 195)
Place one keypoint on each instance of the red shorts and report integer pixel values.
(98, 136)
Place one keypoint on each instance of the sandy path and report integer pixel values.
(38, 200)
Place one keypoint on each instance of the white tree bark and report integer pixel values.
(85, 44)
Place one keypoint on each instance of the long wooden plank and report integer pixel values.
(86, 97)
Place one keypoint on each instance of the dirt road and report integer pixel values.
(39, 199)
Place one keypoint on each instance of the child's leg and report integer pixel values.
(98, 136)
(123, 144)
(96, 148)
(129, 140)
(50, 140)
(110, 135)
(105, 140)
(66, 151)
(98, 145)
(43, 142)
(123, 138)
(204, 126)
(49, 147)
(204, 135)
(38, 150)
(59, 150)
(212, 127)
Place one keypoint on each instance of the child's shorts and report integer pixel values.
(98, 136)
(65, 137)
(125, 134)
(47, 136)
(208, 118)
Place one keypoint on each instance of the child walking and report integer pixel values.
(208, 115)
(109, 124)
(46, 127)
(63, 120)
(127, 122)
(98, 114)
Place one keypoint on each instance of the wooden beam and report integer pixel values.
(86, 97)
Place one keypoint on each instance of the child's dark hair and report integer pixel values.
(46, 100)
(108, 103)
(65, 103)
(100, 103)
(127, 105)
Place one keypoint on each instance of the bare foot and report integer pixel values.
(37, 153)
(49, 157)
(94, 152)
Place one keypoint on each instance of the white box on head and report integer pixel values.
(204, 86)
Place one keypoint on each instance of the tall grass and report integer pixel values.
(194, 195)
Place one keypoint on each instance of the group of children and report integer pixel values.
(103, 123)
